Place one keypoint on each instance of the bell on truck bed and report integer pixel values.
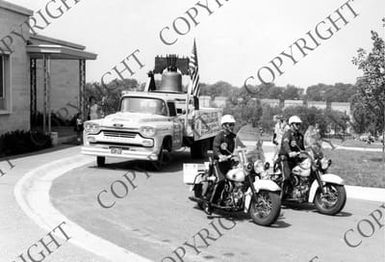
(171, 82)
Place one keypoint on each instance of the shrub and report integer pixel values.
(20, 142)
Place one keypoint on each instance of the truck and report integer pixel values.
(149, 124)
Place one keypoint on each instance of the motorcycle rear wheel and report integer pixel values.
(332, 202)
(265, 208)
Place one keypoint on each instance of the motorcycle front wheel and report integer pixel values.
(331, 202)
(265, 208)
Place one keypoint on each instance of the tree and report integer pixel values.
(371, 86)
(339, 92)
(291, 92)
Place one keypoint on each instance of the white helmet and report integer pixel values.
(294, 119)
(227, 119)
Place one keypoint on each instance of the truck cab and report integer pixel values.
(151, 123)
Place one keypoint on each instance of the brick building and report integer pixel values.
(41, 75)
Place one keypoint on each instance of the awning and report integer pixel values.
(58, 52)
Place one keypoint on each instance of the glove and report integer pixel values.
(293, 154)
(223, 158)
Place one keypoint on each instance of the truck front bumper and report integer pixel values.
(120, 153)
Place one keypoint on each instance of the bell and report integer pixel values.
(171, 82)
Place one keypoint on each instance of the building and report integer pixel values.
(40, 75)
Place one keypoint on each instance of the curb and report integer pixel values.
(365, 193)
(32, 195)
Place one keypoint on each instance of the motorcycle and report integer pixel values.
(242, 190)
(310, 182)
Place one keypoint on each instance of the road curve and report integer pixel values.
(156, 218)
(32, 194)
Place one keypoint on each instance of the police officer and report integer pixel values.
(225, 136)
(292, 143)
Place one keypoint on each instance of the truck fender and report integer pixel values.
(259, 185)
(326, 178)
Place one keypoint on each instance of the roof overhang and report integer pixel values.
(15, 8)
(58, 52)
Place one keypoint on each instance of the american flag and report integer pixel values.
(194, 72)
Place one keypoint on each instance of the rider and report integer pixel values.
(221, 153)
(226, 136)
(292, 143)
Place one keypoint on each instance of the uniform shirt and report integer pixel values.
(289, 141)
(220, 138)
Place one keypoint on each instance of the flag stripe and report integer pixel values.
(194, 72)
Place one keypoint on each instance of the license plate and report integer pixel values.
(116, 151)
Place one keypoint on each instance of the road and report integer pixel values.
(157, 217)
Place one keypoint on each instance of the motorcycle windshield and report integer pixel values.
(249, 137)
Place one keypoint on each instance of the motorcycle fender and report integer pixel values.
(268, 185)
(259, 185)
(198, 180)
(247, 200)
(327, 178)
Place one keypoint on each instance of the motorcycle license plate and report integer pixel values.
(116, 151)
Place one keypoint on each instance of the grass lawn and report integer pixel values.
(358, 168)
(356, 143)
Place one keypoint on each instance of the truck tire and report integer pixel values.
(162, 159)
(199, 149)
(101, 161)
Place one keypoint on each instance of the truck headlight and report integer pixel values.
(91, 128)
(148, 131)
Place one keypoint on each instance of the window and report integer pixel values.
(143, 105)
(1, 77)
(4, 82)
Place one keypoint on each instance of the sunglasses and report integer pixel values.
(231, 124)
(297, 124)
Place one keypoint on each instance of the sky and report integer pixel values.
(233, 43)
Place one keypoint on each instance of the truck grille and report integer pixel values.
(112, 133)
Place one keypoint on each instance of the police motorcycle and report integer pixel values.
(310, 182)
(243, 190)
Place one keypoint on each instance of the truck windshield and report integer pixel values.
(143, 105)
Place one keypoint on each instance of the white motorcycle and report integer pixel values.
(310, 182)
(242, 189)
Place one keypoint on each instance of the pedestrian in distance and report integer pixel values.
(94, 110)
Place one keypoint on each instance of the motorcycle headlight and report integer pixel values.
(91, 128)
(148, 131)
(325, 163)
(258, 166)
(249, 166)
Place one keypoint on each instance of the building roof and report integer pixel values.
(15, 8)
(58, 52)
(57, 49)
(50, 40)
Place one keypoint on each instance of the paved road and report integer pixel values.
(157, 217)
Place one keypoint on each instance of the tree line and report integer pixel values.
(339, 92)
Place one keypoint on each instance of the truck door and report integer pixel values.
(177, 137)
(178, 133)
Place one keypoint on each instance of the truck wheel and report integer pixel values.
(199, 149)
(162, 160)
(101, 161)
